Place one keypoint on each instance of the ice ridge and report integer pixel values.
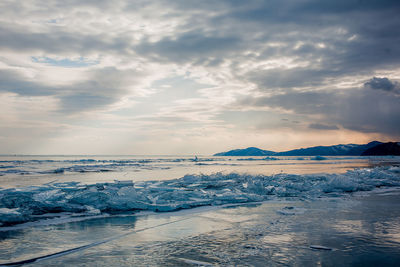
(19, 205)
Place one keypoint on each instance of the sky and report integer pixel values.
(196, 77)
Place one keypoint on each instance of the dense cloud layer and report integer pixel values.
(357, 109)
(129, 67)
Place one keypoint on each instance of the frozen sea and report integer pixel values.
(199, 211)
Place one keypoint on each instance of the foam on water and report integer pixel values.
(18, 205)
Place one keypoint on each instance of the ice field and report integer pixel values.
(222, 211)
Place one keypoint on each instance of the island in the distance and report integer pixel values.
(374, 148)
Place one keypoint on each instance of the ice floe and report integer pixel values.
(18, 205)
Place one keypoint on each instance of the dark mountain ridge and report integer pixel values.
(335, 150)
(391, 148)
(250, 151)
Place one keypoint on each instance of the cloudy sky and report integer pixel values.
(196, 77)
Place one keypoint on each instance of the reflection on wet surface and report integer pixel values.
(357, 230)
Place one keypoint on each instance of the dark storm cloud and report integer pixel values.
(382, 84)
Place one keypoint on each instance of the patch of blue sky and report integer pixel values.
(66, 62)
(52, 21)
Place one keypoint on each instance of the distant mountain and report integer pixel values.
(250, 151)
(336, 150)
(385, 149)
(358, 150)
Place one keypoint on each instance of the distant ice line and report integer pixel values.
(42, 167)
